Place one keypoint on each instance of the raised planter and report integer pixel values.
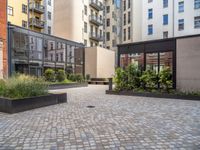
(155, 95)
(67, 85)
(19, 105)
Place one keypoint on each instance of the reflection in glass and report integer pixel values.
(135, 58)
(152, 62)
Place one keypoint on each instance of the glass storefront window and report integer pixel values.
(152, 62)
(166, 60)
(135, 58)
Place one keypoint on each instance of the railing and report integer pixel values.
(37, 7)
(36, 22)
(96, 4)
(96, 36)
(96, 20)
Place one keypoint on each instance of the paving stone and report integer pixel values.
(116, 123)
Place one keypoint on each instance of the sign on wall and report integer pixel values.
(1, 59)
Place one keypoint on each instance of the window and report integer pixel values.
(129, 17)
(24, 8)
(113, 29)
(108, 9)
(150, 13)
(49, 2)
(124, 5)
(10, 11)
(150, 29)
(181, 24)
(85, 9)
(124, 34)
(129, 3)
(181, 7)
(85, 27)
(129, 33)
(85, 42)
(57, 58)
(61, 57)
(49, 15)
(108, 36)
(196, 4)
(165, 19)
(149, 1)
(49, 30)
(108, 22)
(24, 24)
(197, 22)
(165, 3)
(165, 34)
(124, 19)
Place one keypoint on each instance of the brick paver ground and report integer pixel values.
(116, 122)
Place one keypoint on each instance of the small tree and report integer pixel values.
(49, 75)
(149, 79)
(60, 75)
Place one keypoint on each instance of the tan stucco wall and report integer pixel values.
(188, 64)
(91, 62)
(99, 62)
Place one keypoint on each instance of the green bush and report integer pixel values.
(165, 79)
(49, 75)
(87, 77)
(75, 77)
(60, 75)
(133, 76)
(149, 79)
(2, 87)
(22, 86)
(121, 79)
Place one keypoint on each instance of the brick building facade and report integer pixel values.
(3, 39)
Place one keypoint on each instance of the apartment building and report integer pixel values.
(92, 22)
(152, 19)
(49, 16)
(112, 25)
(3, 39)
(36, 15)
(81, 21)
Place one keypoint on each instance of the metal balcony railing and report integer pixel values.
(96, 20)
(36, 7)
(36, 23)
(96, 4)
(96, 36)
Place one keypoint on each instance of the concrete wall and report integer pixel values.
(3, 39)
(99, 62)
(188, 64)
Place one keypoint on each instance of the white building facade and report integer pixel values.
(49, 16)
(158, 19)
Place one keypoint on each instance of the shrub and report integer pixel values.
(75, 77)
(49, 75)
(133, 76)
(121, 79)
(165, 79)
(22, 86)
(2, 87)
(60, 75)
(87, 77)
(149, 79)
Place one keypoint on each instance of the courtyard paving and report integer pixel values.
(116, 123)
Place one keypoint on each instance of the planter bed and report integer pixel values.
(18, 105)
(67, 85)
(155, 95)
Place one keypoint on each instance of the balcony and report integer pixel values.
(36, 7)
(36, 23)
(96, 20)
(95, 36)
(96, 5)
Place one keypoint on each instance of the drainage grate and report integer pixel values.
(90, 106)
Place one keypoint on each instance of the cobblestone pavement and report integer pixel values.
(116, 123)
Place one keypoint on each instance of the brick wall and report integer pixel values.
(3, 35)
